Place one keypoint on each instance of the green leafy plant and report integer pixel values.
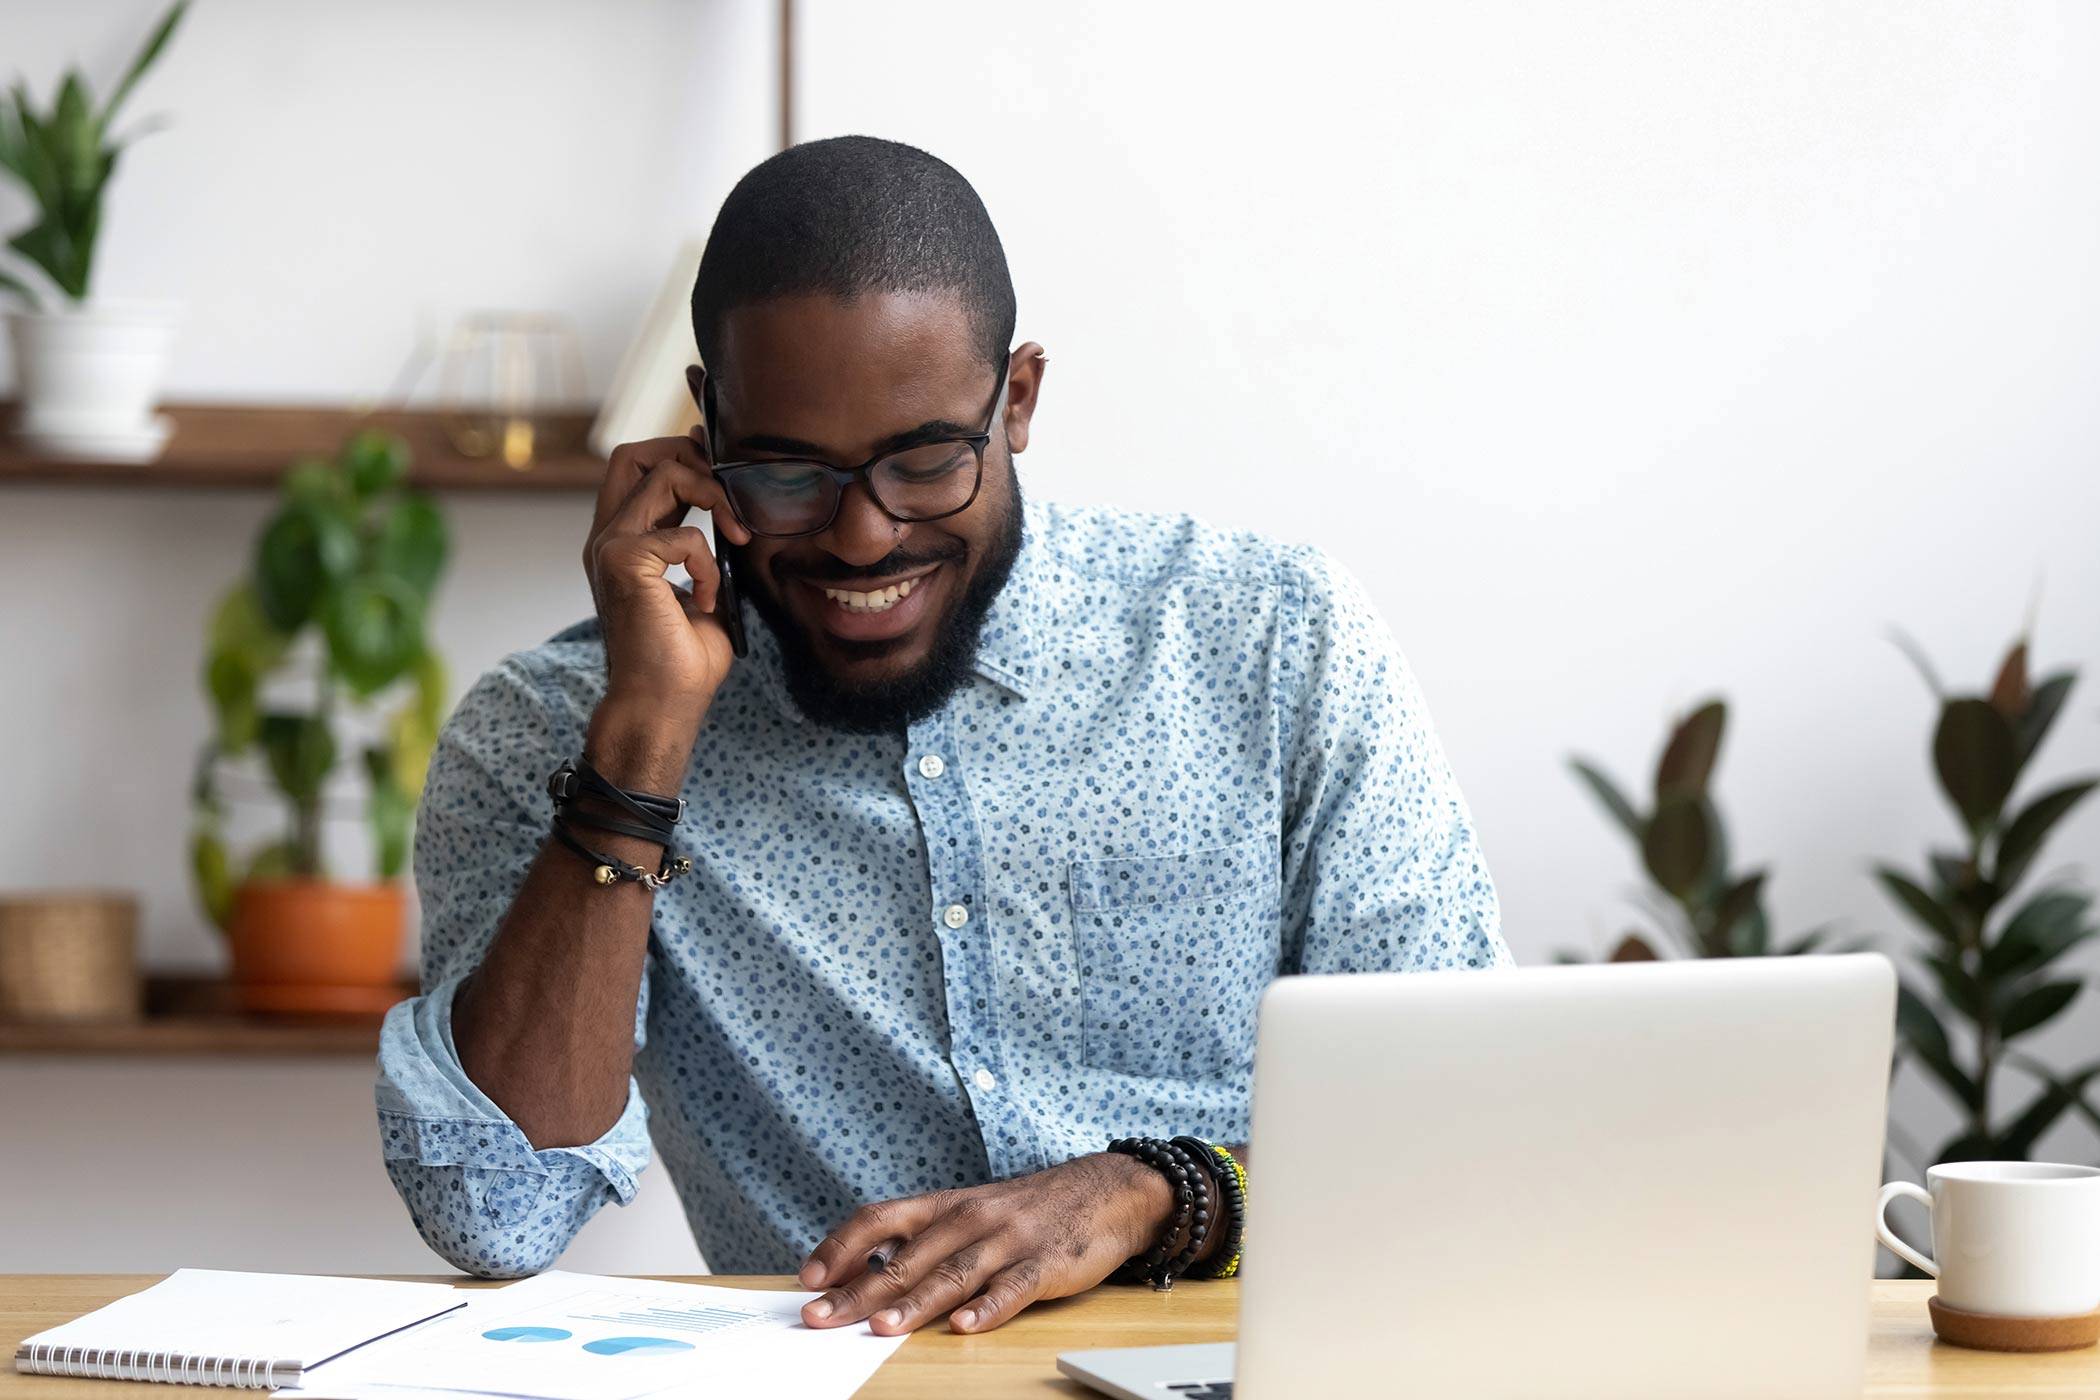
(1995, 976)
(1698, 903)
(64, 157)
(351, 557)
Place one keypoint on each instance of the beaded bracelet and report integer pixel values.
(1193, 1203)
(1231, 1179)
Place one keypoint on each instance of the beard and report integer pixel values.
(890, 705)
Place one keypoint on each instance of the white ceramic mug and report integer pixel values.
(2012, 1239)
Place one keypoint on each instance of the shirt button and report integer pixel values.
(986, 1080)
(955, 916)
(931, 766)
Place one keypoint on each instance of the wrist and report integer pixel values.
(1151, 1202)
(641, 745)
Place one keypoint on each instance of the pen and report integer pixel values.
(879, 1257)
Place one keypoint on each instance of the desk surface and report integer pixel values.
(1020, 1359)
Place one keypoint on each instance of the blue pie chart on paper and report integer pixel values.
(527, 1334)
(635, 1346)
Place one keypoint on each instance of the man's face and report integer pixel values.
(841, 381)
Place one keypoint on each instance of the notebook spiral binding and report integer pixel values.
(180, 1368)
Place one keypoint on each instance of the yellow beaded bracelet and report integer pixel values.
(1239, 1246)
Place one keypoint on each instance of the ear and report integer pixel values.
(696, 385)
(1024, 387)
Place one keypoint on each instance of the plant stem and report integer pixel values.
(1986, 1012)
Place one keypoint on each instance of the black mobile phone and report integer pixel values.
(729, 605)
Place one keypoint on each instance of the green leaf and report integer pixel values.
(2019, 1138)
(238, 629)
(2037, 1006)
(392, 812)
(1922, 906)
(2045, 928)
(1971, 1146)
(147, 56)
(316, 481)
(1735, 907)
(302, 552)
(1909, 647)
(1676, 843)
(2023, 839)
(1975, 753)
(430, 691)
(1634, 948)
(1921, 1031)
(1960, 989)
(232, 686)
(212, 870)
(374, 461)
(409, 747)
(374, 625)
(301, 751)
(1687, 763)
(1607, 792)
(2042, 710)
(411, 543)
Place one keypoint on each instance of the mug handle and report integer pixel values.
(1887, 1236)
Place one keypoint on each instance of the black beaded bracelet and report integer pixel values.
(1232, 1207)
(1193, 1203)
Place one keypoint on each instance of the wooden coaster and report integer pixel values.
(1987, 1333)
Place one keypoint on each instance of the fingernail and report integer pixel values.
(812, 1274)
(820, 1309)
(889, 1317)
(964, 1318)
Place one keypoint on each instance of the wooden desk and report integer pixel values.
(1020, 1359)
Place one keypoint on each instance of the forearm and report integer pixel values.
(545, 1025)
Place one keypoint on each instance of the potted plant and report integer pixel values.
(87, 371)
(318, 650)
(1995, 977)
(1697, 903)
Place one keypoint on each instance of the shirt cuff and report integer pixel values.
(432, 1114)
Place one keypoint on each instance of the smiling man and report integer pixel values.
(995, 835)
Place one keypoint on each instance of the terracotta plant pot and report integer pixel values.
(317, 946)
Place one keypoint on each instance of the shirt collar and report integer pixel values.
(1008, 646)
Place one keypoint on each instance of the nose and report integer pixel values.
(863, 532)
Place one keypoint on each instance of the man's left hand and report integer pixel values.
(988, 1251)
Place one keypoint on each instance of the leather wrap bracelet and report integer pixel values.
(653, 820)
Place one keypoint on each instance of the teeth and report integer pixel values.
(882, 600)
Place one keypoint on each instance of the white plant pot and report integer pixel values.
(87, 377)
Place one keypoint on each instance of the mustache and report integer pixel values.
(826, 568)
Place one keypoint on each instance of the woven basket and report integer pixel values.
(69, 955)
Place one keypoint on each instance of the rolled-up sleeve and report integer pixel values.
(1382, 867)
(478, 1191)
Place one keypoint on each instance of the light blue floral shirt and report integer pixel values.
(1189, 761)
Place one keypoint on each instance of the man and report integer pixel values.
(997, 833)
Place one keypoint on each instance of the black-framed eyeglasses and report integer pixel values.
(785, 497)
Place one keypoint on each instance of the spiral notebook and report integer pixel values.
(216, 1327)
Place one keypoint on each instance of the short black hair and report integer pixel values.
(849, 215)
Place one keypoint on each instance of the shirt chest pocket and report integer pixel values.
(1174, 952)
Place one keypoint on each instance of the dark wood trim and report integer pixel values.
(197, 1016)
(219, 445)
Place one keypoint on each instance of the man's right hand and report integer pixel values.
(666, 653)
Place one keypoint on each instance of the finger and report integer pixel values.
(628, 561)
(963, 1224)
(1010, 1290)
(630, 462)
(845, 1249)
(947, 1283)
(664, 495)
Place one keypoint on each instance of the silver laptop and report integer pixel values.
(1647, 1179)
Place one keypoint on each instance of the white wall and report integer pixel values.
(1630, 353)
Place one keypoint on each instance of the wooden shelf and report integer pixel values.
(197, 1016)
(233, 446)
